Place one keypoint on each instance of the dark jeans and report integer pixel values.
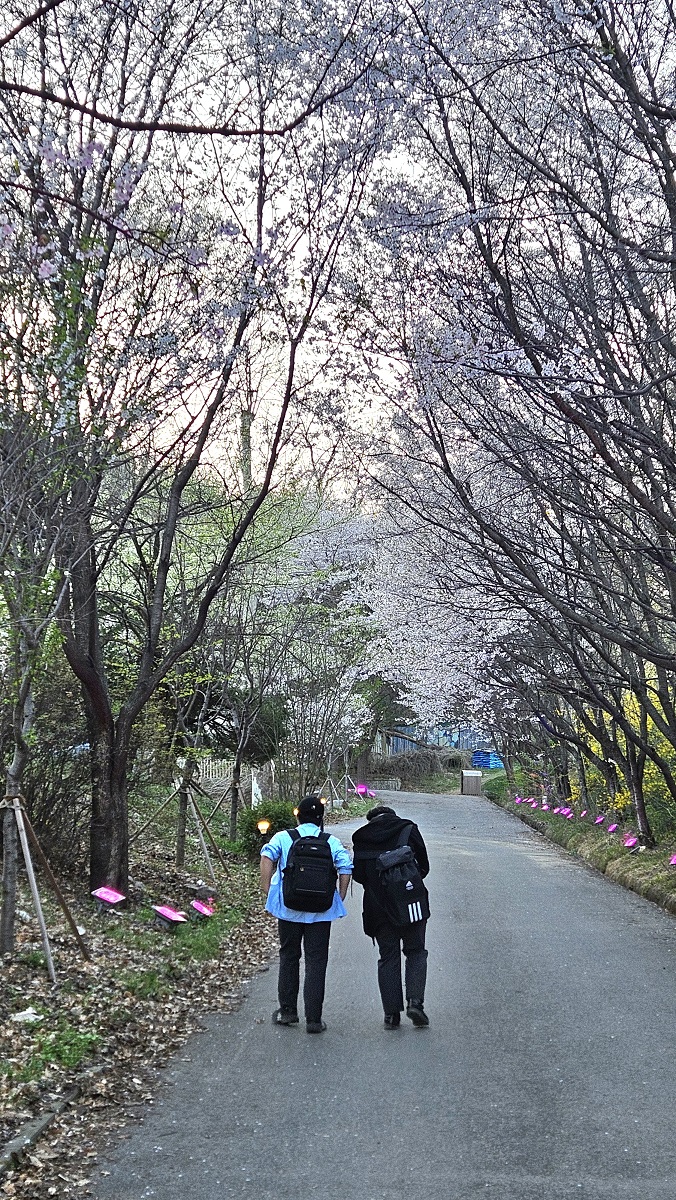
(391, 941)
(313, 938)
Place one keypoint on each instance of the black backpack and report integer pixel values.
(402, 892)
(309, 879)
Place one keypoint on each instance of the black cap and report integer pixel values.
(311, 809)
(379, 811)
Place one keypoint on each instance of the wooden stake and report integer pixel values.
(59, 894)
(205, 825)
(16, 805)
(138, 832)
(198, 788)
(200, 835)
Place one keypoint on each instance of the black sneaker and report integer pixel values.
(315, 1026)
(392, 1020)
(284, 1016)
(416, 1013)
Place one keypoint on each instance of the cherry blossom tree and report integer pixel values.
(178, 185)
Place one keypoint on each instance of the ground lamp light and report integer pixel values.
(612, 828)
(630, 842)
(106, 898)
(672, 861)
(599, 820)
(168, 918)
(263, 825)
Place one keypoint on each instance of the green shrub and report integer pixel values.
(280, 815)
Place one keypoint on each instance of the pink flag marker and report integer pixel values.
(106, 899)
(108, 895)
(169, 914)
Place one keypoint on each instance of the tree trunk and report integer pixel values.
(234, 798)
(582, 778)
(109, 829)
(182, 818)
(636, 764)
(508, 760)
(563, 774)
(361, 767)
(187, 774)
(10, 864)
(23, 723)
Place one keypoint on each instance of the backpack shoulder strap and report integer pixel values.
(324, 836)
(405, 834)
(293, 834)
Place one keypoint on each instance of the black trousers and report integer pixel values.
(391, 941)
(313, 939)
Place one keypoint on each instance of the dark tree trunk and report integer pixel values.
(187, 774)
(182, 819)
(10, 865)
(361, 767)
(508, 760)
(234, 798)
(582, 777)
(636, 764)
(109, 829)
(563, 775)
(23, 723)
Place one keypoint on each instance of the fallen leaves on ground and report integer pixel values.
(109, 1024)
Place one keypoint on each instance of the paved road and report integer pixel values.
(549, 1070)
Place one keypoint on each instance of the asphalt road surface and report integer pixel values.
(548, 1071)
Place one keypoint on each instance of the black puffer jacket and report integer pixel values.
(380, 834)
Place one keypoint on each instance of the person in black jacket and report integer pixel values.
(382, 832)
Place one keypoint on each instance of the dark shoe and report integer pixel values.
(416, 1013)
(315, 1026)
(392, 1020)
(284, 1016)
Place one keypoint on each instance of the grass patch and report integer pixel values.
(145, 985)
(33, 958)
(355, 807)
(67, 1046)
(647, 873)
(436, 785)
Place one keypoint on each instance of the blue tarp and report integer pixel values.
(486, 760)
